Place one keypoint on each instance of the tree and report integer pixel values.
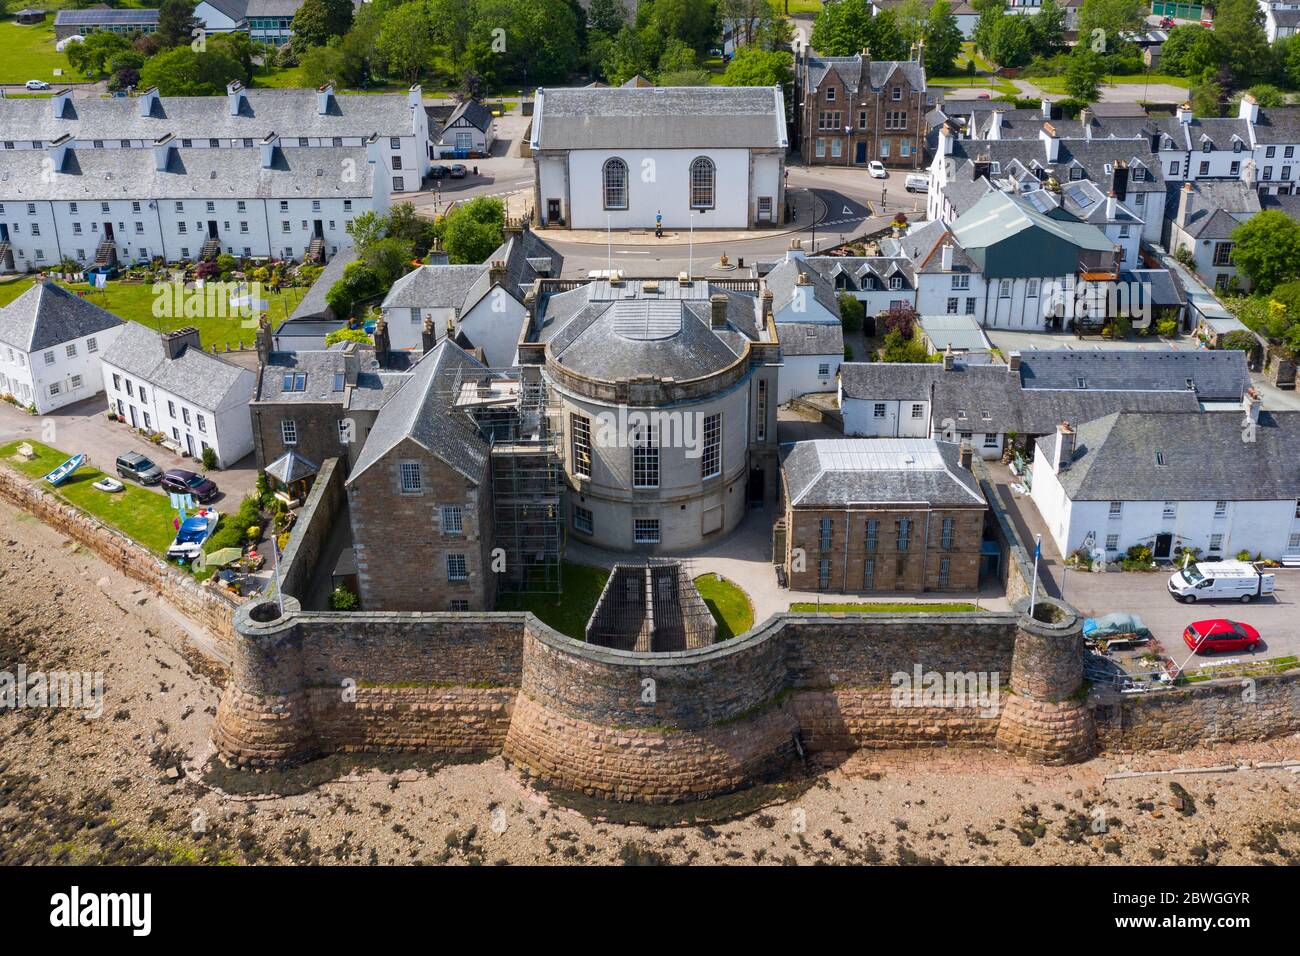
(92, 55)
(1048, 27)
(452, 21)
(686, 78)
(692, 21)
(321, 65)
(1010, 43)
(604, 16)
(1266, 248)
(1190, 50)
(358, 283)
(471, 232)
(404, 40)
(240, 47)
(317, 21)
(626, 56)
(540, 43)
(852, 313)
(676, 57)
(911, 16)
(1102, 21)
(176, 23)
(365, 228)
(1239, 25)
(943, 39)
(1083, 75)
(843, 28)
(754, 67)
(403, 222)
(182, 71)
(1208, 97)
(1267, 96)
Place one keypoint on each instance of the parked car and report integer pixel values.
(1220, 581)
(917, 183)
(877, 169)
(439, 172)
(37, 85)
(135, 466)
(457, 171)
(1206, 637)
(188, 483)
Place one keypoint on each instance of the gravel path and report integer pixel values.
(127, 787)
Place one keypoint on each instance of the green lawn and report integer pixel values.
(882, 607)
(146, 516)
(134, 301)
(728, 603)
(568, 615)
(27, 53)
(1056, 84)
(803, 6)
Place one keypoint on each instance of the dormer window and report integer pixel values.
(1191, 386)
(898, 93)
(1139, 174)
(830, 94)
(1207, 146)
(1236, 146)
(1076, 173)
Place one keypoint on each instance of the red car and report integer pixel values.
(1206, 637)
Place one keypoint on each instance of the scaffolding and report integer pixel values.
(514, 411)
(652, 607)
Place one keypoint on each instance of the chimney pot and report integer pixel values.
(965, 455)
(1064, 446)
(718, 310)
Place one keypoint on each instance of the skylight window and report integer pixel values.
(294, 382)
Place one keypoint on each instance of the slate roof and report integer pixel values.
(831, 473)
(962, 332)
(999, 215)
(848, 69)
(1279, 125)
(421, 411)
(442, 286)
(660, 118)
(1115, 458)
(472, 112)
(195, 375)
(291, 467)
(1214, 207)
(47, 315)
(196, 173)
(289, 112)
(1217, 375)
(783, 283)
(1095, 159)
(313, 304)
(811, 338)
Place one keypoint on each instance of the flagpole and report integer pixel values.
(1033, 588)
(275, 550)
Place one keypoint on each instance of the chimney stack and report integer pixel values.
(1013, 362)
(428, 336)
(1248, 109)
(1046, 108)
(1051, 142)
(1085, 120)
(1253, 405)
(945, 256)
(267, 146)
(718, 310)
(1119, 180)
(58, 151)
(1111, 203)
(946, 138)
(383, 348)
(263, 340)
(323, 96)
(766, 300)
(162, 152)
(1185, 202)
(1184, 113)
(235, 96)
(802, 278)
(1064, 446)
(175, 343)
(148, 100)
(497, 272)
(61, 100)
(949, 358)
(965, 454)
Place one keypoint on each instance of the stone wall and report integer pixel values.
(1017, 561)
(204, 604)
(617, 724)
(1226, 711)
(312, 530)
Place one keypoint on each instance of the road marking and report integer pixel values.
(629, 252)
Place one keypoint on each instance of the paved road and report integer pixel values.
(84, 428)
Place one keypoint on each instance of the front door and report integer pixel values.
(317, 229)
(757, 485)
(212, 229)
(108, 231)
(189, 444)
(861, 155)
(1164, 548)
(131, 409)
(553, 210)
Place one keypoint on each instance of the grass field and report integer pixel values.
(143, 515)
(569, 616)
(729, 605)
(27, 53)
(881, 607)
(1056, 84)
(134, 302)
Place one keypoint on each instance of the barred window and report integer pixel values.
(868, 575)
(645, 457)
(452, 519)
(410, 476)
(645, 530)
(457, 568)
(702, 175)
(760, 431)
(615, 184)
(711, 460)
(904, 533)
(871, 534)
(944, 566)
(824, 573)
(945, 536)
(582, 519)
(826, 525)
(580, 426)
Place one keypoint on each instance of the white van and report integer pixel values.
(917, 183)
(1220, 581)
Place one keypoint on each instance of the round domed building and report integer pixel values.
(667, 391)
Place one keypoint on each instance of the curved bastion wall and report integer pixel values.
(649, 727)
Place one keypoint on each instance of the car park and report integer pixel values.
(1220, 635)
(877, 169)
(184, 482)
(137, 467)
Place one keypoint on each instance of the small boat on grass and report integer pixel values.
(108, 484)
(194, 531)
(61, 474)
